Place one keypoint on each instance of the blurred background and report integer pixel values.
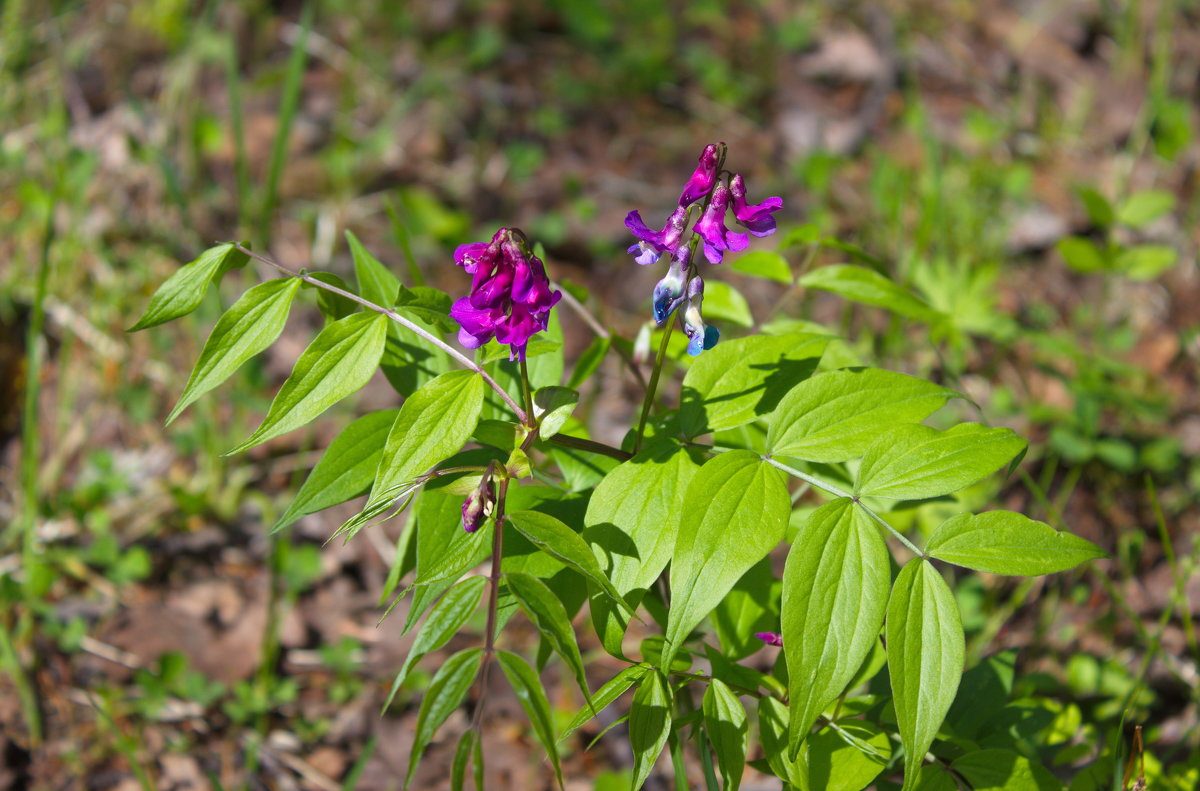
(1028, 169)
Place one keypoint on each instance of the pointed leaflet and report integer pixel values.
(1003, 542)
(339, 361)
(869, 287)
(835, 588)
(836, 416)
(608, 692)
(444, 550)
(772, 730)
(550, 617)
(1005, 770)
(751, 606)
(375, 282)
(925, 658)
(444, 621)
(347, 468)
(528, 688)
(725, 723)
(251, 325)
(735, 511)
(184, 290)
(632, 520)
(555, 538)
(649, 724)
(446, 692)
(462, 754)
(432, 425)
(848, 758)
(741, 380)
(914, 462)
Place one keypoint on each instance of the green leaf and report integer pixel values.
(735, 512)
(1004, 770)
(1147, 261)
(836, 416)
(1004, 542)
(347, 468)
(1143, 208)
(725, 723)
(741, 380)
(332, 306)
(1099, 210)
(444, 550)
(251, 325)
(914, 461)
(724, 302)
(772, 729)
(528, 688)
(552, 406)
(603, 697)
(589, 361)
(847, 759)
(431, 425)
(183, 291)
(870, 288)
(462, 755)
(547, 613)
(339, 361)
(444, 621)
(649, 724)
(1082, 255)
(555, 538)
(375, 283)
(446, 692)
(835, 588)
(429, 306)
(632, 520)
(925, 658)
(766, 264)
(751, 606)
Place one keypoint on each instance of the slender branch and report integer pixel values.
(461, 358)
(658, 365)
(489, 648)
(579, 443)
(598, 328)
(838, 492)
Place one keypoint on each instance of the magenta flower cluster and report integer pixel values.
(510, 297)
(715, 191)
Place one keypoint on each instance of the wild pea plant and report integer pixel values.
(673, 529)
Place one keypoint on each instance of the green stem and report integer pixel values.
(839, 492)
(578, 443)
(489, 647)
(658, 364)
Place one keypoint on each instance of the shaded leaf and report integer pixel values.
(870, 288)
(550, 617)
(603, 697)
(446, 693)
(725, 724)
(649, 724)
(528, 688)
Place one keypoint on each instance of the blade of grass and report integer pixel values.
(238, 129)
(288, 104)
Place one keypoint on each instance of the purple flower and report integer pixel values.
(654, 242)
(711, 228)
(770, 638)
(756, 218)
(510, 297)
(700, 336)
(702, 178)
(668, 292)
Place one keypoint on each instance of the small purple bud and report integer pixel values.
(479, 504)
(668, 292)
(664, 241)
(702, 178)
(770, 638)
(755, 218)
(711, 228)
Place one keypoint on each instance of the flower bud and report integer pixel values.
(479, 505)
(700, 336)
(770, 638)
(668, 292)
